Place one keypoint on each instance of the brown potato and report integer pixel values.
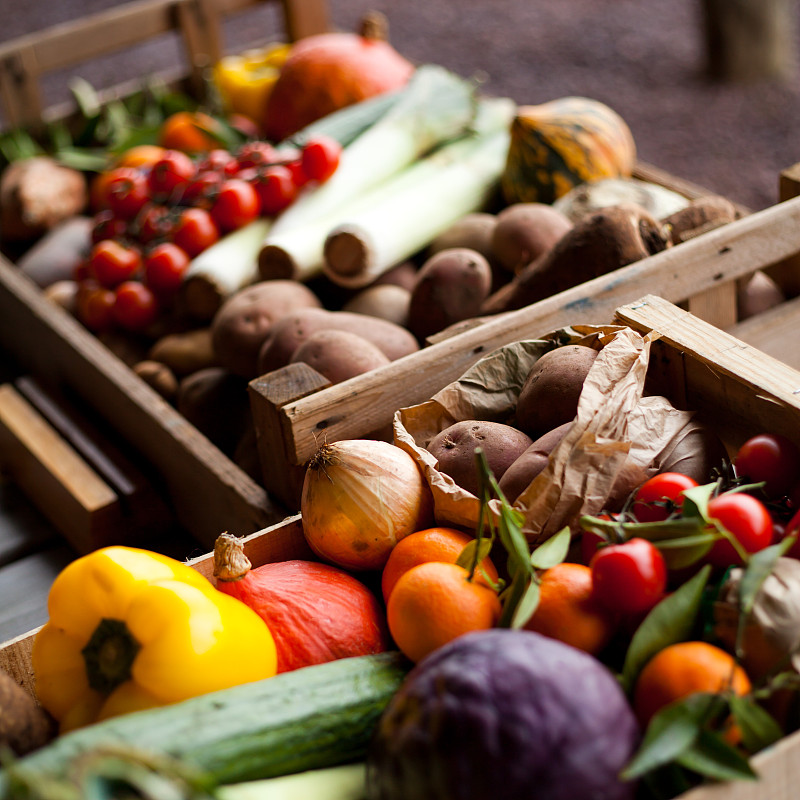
(473, 231)
(550, 394)
(384, 300)
(158, 376)
(291, 331)
(339, 355)
(185, 352)
(451, 286)
(521, 473)
(241, 325)
(526, 230)
(454, 449)
(701, 215)
(24, 724)
(757, 294)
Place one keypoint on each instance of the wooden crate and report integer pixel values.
(703, 368)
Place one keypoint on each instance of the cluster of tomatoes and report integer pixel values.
(631, 576)
(152, 219)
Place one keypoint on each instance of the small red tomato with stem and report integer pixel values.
(135, 306)
(630, 577)
(256, 154)
(95, 307)
(111, 262)
(747, 519)
(235, 205)
(771, 458)
(202, 189)
(164, 268)
(219, 160)
(195, 231)
(276, 189)
(106, 225)
(155, 223)
(320, 157)
(127, 192)
(170, 175)
(660, 496)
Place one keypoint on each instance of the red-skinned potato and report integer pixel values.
(451, 286)
(241, 325)
(384, 300)
(454, 449)
(339, 355)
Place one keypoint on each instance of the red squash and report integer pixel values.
(315, 612)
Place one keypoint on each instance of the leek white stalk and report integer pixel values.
(437, 106)
(419, 204)
(222, 269)
(347, 782)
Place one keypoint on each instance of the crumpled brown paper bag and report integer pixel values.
(613, 445)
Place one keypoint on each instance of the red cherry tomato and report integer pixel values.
(202, 189)
(169, 176)
(164, 268)
(660, 496)
(135, 306)
(744, 516)
(95, 306)
(771, 458)
(630, 577)
(155, 223)
(127, 192)
(236, 204)
(256, 154)
(195, 231)
(111, 262)
(220, 161)
(320, 157)
(276, 189)
(105, 225)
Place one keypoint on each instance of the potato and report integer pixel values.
(216, 402)
(339, 355)
(24, 725)
(54, 257)
(549, 397)
(185, 352)
(473, 231)
(158, 376)
(384, 300)
(240, 326)
(526, 230)
(521, 473)
(454, 449)
(451, 286)
(757, 294)
(701, 215)
(290, 332)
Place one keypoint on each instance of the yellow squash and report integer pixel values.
(130, 629)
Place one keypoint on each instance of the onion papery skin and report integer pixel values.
(360, 497)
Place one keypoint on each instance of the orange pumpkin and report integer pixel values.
(330, 71)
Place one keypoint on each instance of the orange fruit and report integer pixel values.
(683, 669)
(185, 130)
(431, 544)
(434, 603)
(569, 612)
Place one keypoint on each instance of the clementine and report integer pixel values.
(431, 544)
(568, 610)
(434, 603)
(683, 669)
(189, 131)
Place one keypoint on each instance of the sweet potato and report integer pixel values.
(454, 449)
(451, 286)
(597, 244)
(339, 355)
(549, 397)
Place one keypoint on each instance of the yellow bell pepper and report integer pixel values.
(244, 81)
(129, 629)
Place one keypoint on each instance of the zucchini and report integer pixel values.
(310, 718)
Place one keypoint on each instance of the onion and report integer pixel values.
(360, 497)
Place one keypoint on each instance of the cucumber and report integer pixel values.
(310, 718)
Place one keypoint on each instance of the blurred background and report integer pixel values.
(645, 60)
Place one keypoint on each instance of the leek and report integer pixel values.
(346, 782)
(423, 201)
(438, 106)
(222, 269)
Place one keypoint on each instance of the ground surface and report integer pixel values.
(643, 59)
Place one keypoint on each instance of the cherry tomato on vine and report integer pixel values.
(135, 306)
(256, 154)
(95, 306)
(660, 496)
(235, 205)
(111, 262)
(195, 231)
(126, 192)
(202, 189)
(164, 268)
(746, 518)
(169, 176)
(630, 577)
(771, 458)
(276, 189)
(155, 223)
(320, 157)
(221, 161)
(106, 225)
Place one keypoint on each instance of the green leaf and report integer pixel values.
(514, 541)
(759, 728)
(511, 597)
(759, 566)
(473, 553)
(695, 500)
(552, 551)
(83, 160)
(527, 605)
(712, 757)
(685, 550)
(671, 733)
(670, 621)
(86, 97)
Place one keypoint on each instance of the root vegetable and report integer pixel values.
(384, 300)
(473, 231)
(159, 377)
(185, 352)
(600, 243)
(339, 355)
(24, 725)
(758, 294)
(54, 257)
(702, 214)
